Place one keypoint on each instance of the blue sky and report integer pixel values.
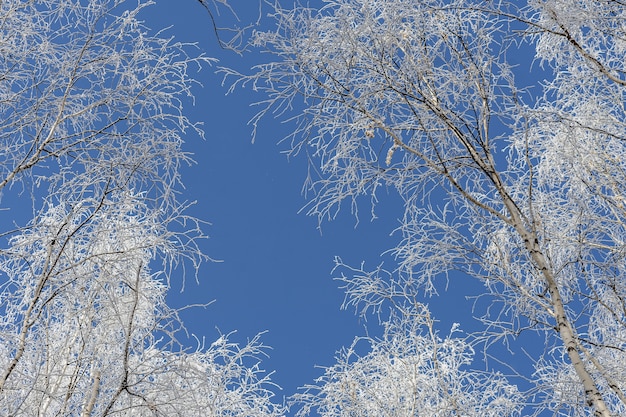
(276, 269)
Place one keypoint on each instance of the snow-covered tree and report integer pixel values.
(501, 125)
(86, 330)
(91, 133)
(410, 371)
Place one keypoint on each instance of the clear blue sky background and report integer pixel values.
(276, 269)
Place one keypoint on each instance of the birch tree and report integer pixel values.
(516, 183)
(92, 126)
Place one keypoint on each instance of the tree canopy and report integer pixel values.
(92, 125)
(499, 125)
(510, 173)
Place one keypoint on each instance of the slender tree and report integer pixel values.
(518, 183)
(91, 126)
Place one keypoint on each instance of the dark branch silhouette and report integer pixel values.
(208, 9)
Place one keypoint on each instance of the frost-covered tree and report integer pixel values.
(86, 330)
(410, 371)
(91, 133)
(512, 174)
